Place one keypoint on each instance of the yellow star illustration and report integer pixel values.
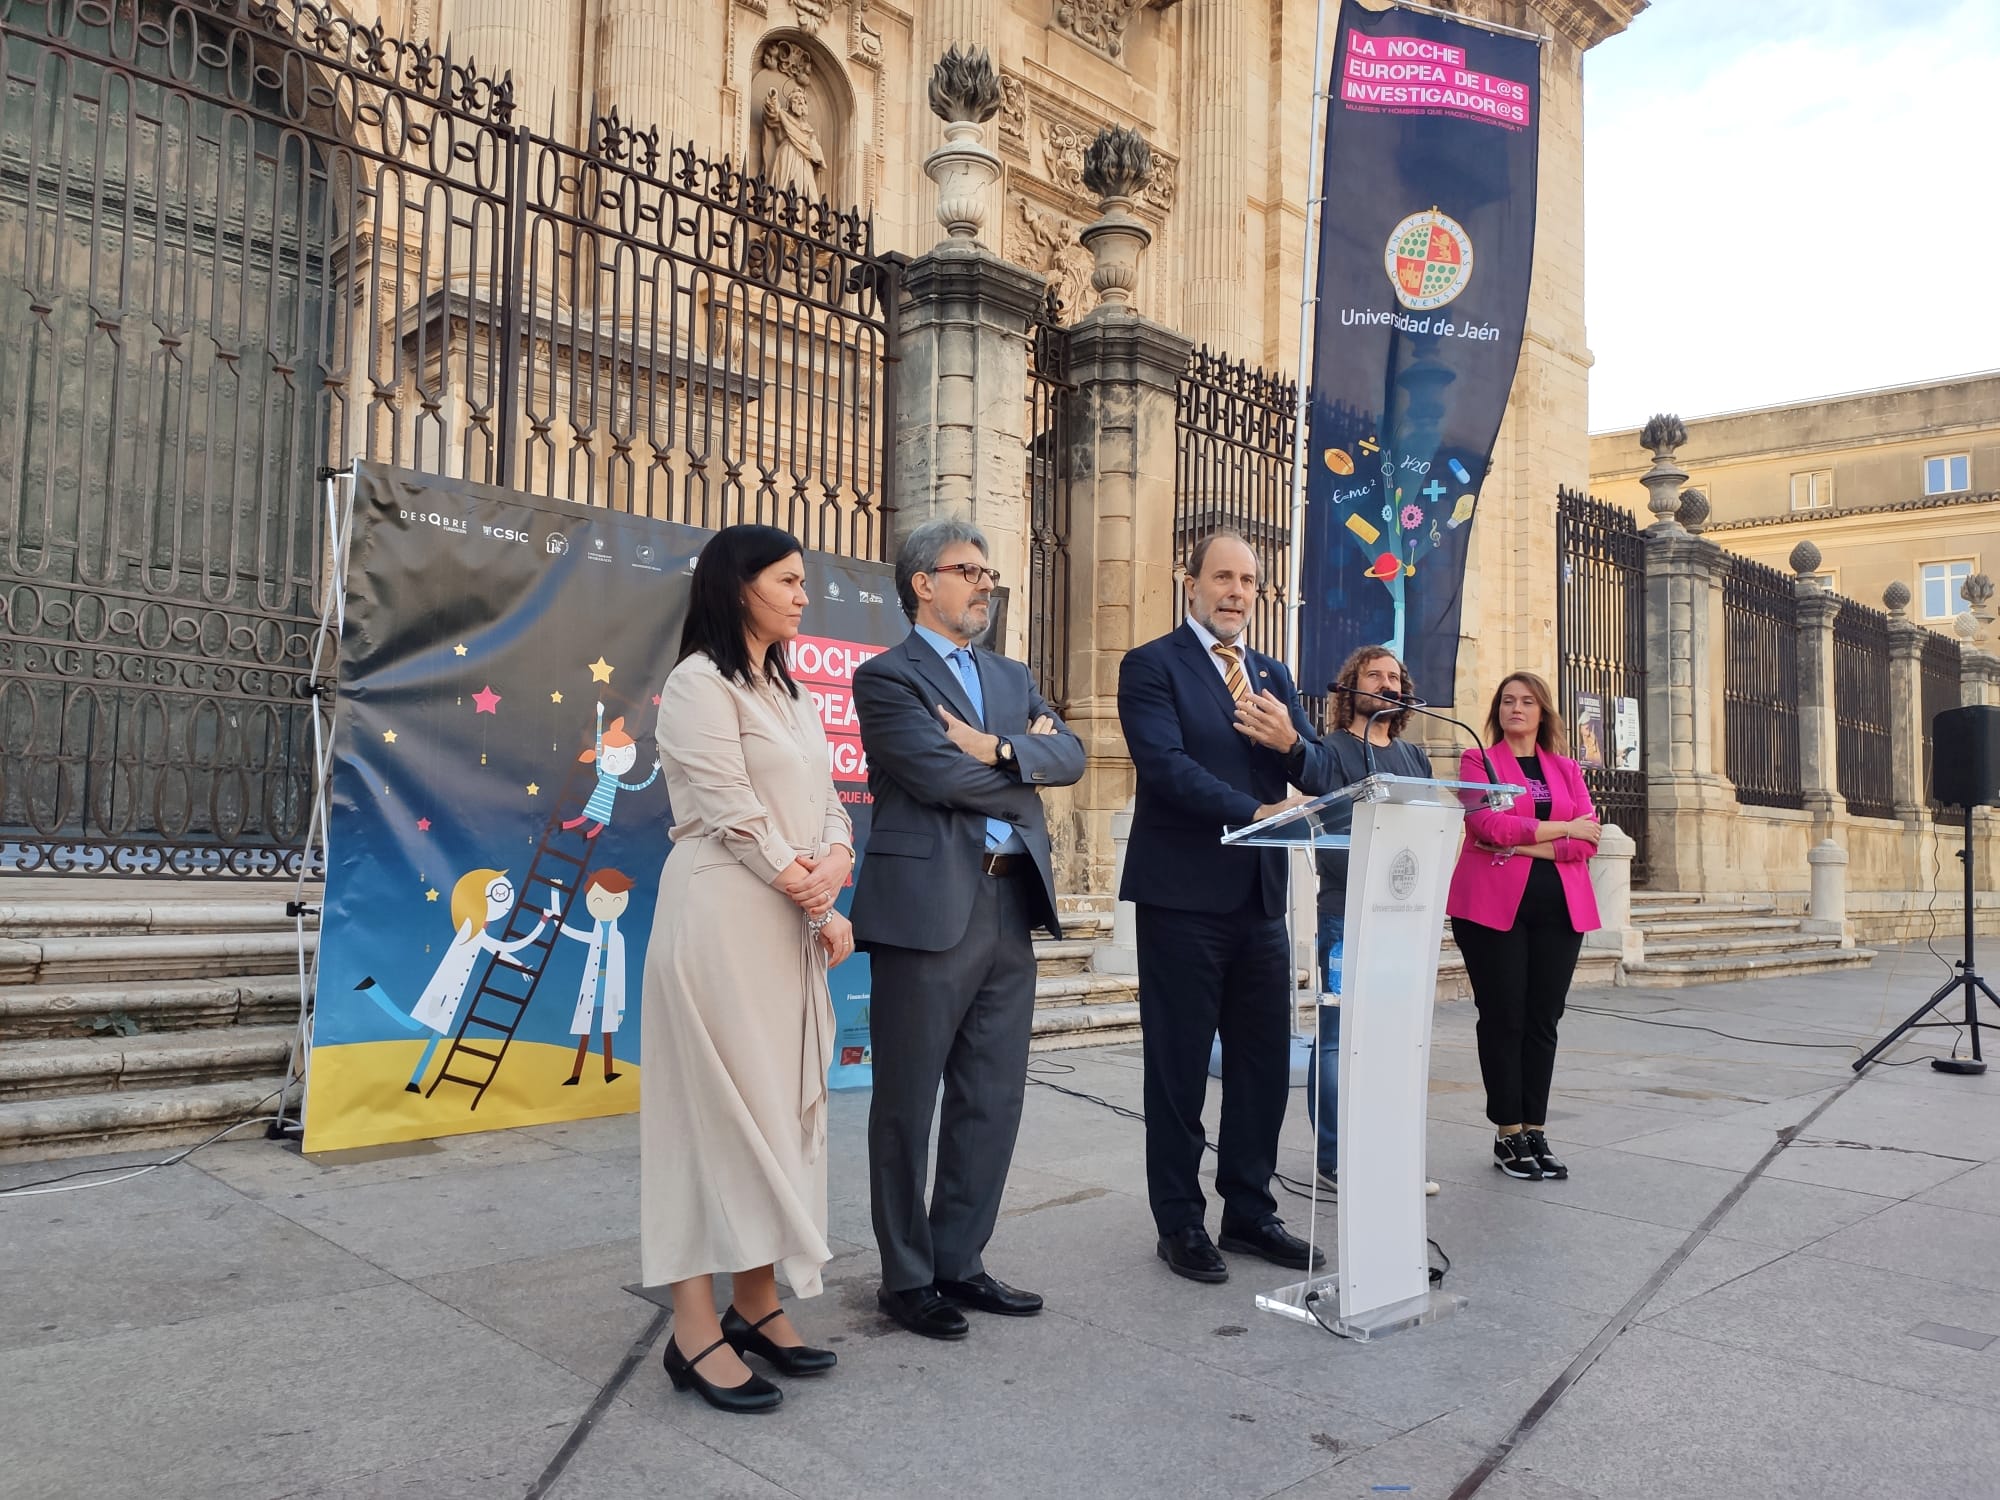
(533, 790)
(458, 650)
(388, 736)
(601, 670)
(555, 697)
(430, 895)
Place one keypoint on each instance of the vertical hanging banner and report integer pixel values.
(1427, 231)
(498, 820)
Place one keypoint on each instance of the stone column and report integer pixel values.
(961, 386)
(960, 403)
(535, 40)
(1819, 754)
(1611, 884)
(1121, 564)
(1978, 675)
(1828, 915)
(653, 72)
(1685, 790)
(1906, 704)
(1215, 171)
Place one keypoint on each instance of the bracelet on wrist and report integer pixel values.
(818, 923)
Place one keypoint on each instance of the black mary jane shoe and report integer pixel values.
(787, 1359)
(754, 1394)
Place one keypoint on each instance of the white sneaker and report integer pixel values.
(1430, 1188)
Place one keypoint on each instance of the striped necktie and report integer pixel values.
(1238, 684)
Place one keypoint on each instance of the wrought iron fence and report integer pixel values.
(1235, 430)
(240, 241)
(1760, 694)
(1601, 655)
(1863, 764)
(1941, 688)
(1047, 484)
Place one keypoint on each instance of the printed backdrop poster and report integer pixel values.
(498, 819)
(1426, 237)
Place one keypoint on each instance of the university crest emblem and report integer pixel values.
(1429, 259)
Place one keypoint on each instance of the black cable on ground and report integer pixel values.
(1296, 1189)
(1627, 1315)
(41, 1185)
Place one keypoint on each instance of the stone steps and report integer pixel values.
(76, 917)
(1679, 973)
(130, 1119)
(1679, 926)
(116, 957)
(1727, 945)
(34, 1011)
(56, 1066)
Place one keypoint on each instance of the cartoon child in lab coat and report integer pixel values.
(616, 753)
(478, 900)
(600, 1000)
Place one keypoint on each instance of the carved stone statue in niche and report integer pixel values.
(792, 154)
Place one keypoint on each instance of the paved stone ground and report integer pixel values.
(434, 1324)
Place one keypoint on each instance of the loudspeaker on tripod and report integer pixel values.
(1965, 756)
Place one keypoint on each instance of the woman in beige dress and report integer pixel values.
(738, 1025)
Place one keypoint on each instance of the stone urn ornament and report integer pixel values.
(1663, 482)
(965, 94)
(1115, 169)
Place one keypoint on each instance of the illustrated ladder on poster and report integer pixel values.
(555, 875)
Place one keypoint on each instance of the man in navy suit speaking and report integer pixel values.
(1217, 736)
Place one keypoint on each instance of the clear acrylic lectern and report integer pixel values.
(1404, 842)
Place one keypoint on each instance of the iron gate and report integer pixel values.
(1234, 469)
(1047, 481)
(1601, 652)
(1760, 684)
(1863, 760)
(243, 240)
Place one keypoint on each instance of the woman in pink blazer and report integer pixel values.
(1520, 904)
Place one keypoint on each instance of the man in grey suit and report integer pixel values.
(955, 877)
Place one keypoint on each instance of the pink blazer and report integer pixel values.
(1490, 894)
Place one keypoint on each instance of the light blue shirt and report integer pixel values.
(1001, 836)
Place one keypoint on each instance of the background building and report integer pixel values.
(1894, 485)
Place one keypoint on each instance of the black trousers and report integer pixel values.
(1200, 975)
(1520, 979)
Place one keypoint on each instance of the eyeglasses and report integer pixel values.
(970, 572)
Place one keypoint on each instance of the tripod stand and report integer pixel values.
(1967, 978)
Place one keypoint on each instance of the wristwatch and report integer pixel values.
(1005, 752)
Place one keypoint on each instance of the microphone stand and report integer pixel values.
(1400, 704)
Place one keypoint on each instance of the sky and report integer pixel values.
(1789, 198)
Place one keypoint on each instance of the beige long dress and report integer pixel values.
(738, 1028)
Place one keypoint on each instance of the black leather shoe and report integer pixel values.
(788, 1359)
(923, 1310)
(1191, 1253)
(1270, 1241)
(755, 1394)
(986, 1294)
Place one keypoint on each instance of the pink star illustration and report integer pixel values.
(487, 701)
(656, 700)
(423, 825)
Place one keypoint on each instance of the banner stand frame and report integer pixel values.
(338, 491)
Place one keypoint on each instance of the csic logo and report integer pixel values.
(1403, 872)
(454, 524)
(868, 598)
(504, 533)
(1429, 260)
(558, 544)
